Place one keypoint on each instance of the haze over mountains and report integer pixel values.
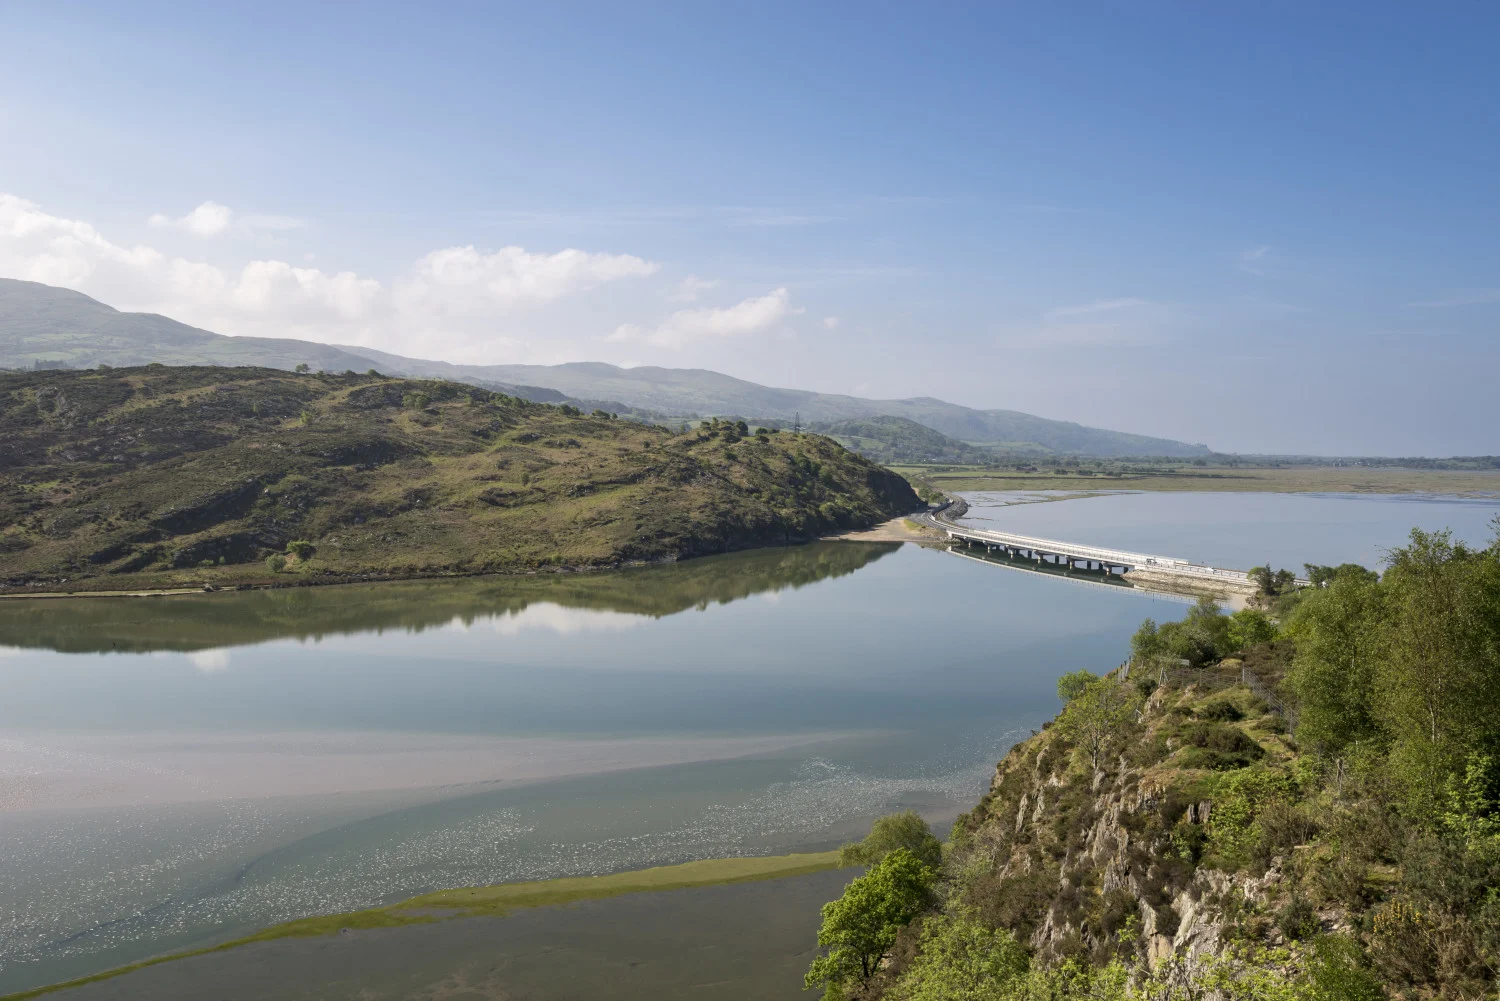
(49, 326)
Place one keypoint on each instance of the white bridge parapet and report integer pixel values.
(1107, 558)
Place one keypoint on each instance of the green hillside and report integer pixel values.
(898, 439)
(42, 325)
(165, 476)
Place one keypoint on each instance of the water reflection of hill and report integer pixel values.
(198, 622)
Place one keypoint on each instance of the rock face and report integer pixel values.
(1120, 861)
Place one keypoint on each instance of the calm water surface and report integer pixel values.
(175, 771)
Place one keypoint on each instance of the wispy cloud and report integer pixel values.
(212, 219)
(690, 288)
(713, 215)
(1461, 297)
(749, 316)
(1255, 259)
(1063, 313)
(1123, 321)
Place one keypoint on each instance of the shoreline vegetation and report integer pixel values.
(497, 900)
(1296, 802)
(160, 478)
(1246, 478)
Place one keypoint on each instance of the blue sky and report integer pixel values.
(1267, 229)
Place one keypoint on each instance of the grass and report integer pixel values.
(157, 477)
(497, 901)
(1282, 479)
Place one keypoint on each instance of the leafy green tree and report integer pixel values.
(1271, 582)
(1147, 644)
(1438, 679)
(962, 960)
(1200, 638)
(895, 830)
(1070, 686)
(1097, 715)
(301, 548)
(860, 927)
(1337, 632)
(1247, 628)
(276, 563)
(1322, 576)
(302, 367)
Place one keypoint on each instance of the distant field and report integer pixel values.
(1286, 479)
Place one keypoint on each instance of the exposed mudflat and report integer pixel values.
(747, 940)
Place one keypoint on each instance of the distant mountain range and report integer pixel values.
(41, 325)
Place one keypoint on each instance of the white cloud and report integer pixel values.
(449, 299)
(213, 219)
(686, 326)
(1254, 259)
(830, 322)
(513, 274)
(208, 219)
(1108, 321)
(690, 288)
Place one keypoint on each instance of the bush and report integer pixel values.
(301, 548)
(1298, 920)
(276, 563)
(961, 958)
(896, 830)
(1337, 970)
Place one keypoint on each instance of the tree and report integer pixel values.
(1322, 576)
(1271, 582)
(301, 548)
(860, 927)
(302, 367)
(1070, 686)
(276, 563)
(1247, 628)
(1437, 681)
(896, 830)
(1146, 645)
(962, 960)
(1337, 632)
(1096, 716)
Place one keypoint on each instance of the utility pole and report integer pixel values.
(797, 421)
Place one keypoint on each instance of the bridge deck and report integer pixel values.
(1113, 557)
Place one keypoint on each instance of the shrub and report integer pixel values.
(276, 563)
(301, 548)
(1338, 970)
(961, 958)
(1298, 920)
(897, 830)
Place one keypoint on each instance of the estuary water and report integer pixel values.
(177, 771)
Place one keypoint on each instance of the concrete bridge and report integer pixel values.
(1145, 567)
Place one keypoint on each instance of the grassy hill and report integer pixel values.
(888, 439)
(50, 326)
(163, 476)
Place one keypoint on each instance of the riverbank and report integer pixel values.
(289, 959)
(1284, 479)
